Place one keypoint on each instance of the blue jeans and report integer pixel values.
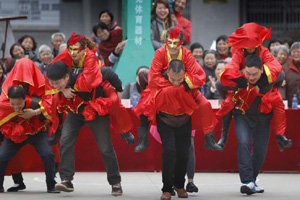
(250, 163)
(9, 149)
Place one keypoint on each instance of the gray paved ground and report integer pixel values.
(147, 185)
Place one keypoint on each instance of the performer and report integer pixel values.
(252, 116)
(203, 118)
(245, 41)
(80, 54)
(23, 117)
(175, 133)
(88, 108)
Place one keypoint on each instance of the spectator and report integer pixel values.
(209, 63)
(197, 51)
(273, 43)
(287, 41)
(179, 20)
(56, 40)
(160, 23)
(2, 75)
(107, 18)
(223, 48)
(29, 43)
(62, 47)
(292, 73)
(281, 53)
(131, 88)
(211, 90)
(16, 51)
(111, 45)
(45, 57)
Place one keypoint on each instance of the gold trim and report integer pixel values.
(8, 117)
(189, 82)
(179, 57)
(268, 73)
(43, 110)
(53, 91)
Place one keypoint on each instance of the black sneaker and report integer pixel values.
(17, 187)
(191, 187)
(53, 190)
(173, 193)
(116, 190)
(65, 186)
(1, 189)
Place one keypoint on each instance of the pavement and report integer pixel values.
(147, 186)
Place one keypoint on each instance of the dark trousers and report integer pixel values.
(190, 171)
(175, 144)
(100, 127)
(39, 141)
(250, 163)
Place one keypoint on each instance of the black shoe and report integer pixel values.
(225, 129)
(53, 190)
(191, 187)
(116, 189)
(129, 138)
(143, 141)
(65, 186)
(283, 142)
(1, 189)
(210, 142)
(173, 193)
(17, 187)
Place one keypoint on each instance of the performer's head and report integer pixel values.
(17, 97)
(77, 45)
(253, 68)
(174, 39)
(58, 75)
(176, 72)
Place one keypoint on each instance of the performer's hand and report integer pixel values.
(69, 93)
(283, 83)
(27, 113)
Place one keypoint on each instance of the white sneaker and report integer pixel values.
(248, 188)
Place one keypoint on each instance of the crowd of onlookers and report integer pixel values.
(164, 14)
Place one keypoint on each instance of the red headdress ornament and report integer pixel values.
(173, 39)
(174, 34)
(250, 35)
(74, 39)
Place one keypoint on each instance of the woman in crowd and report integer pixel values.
(223, 48)
(29, 43)
(197, 51)
(211, 90)
(45, 57)
(160, 22)
(209, 63)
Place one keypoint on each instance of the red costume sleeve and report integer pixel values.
(195, 76)
(231, 71)
(91, 76)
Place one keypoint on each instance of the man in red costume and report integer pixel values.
(246, 41)
(90, 108)
(254, 105)
(179, 20)
(80, 56)
(192, 101)
(23, 115)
